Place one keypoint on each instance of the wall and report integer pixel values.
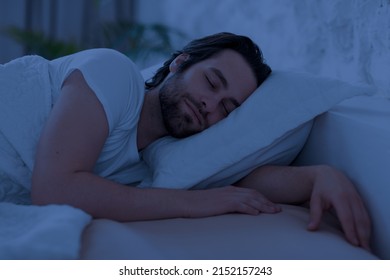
(347, 39)
(10, 15)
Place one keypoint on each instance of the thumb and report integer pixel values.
(315, 214)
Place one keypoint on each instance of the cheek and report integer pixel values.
(172, 89)
(193, 83)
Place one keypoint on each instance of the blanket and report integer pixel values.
(26, 231)
(40, 232)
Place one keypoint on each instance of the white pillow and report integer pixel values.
(269, 128)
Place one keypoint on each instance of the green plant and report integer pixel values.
(139, 41)
(38, 43)
(136, 40)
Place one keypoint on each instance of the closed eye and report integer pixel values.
(225, 109)
(211, 84)
(229, 105)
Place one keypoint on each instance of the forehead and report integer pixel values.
(236, 70)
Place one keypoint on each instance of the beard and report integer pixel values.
(173, 96)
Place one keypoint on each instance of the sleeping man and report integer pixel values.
(102, 118)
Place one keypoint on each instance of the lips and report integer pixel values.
(195, 111)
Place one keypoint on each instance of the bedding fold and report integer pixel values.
(41, 232)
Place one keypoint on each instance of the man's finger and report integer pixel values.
(347, 221)
(315, 214)
(363, 226)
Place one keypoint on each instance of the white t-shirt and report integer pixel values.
(119, 86)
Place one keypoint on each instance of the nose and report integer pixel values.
(210, 109)
(210, 102)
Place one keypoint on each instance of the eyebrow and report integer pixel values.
(221, 77)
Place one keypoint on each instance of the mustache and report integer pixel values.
(198, 105)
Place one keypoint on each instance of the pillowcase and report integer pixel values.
(270, 127)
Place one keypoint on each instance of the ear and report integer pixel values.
(175, 64)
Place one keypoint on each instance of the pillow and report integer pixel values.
(270, 127)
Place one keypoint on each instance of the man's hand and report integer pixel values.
(331, 189)
(229, 199)
(325, 187)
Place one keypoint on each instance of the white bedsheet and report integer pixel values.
(40, 232)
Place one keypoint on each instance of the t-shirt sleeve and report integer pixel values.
(115, 80)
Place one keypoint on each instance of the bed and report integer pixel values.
(360, 146)
(350, 132)
(293, 118)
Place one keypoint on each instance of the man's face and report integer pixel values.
(205, 93)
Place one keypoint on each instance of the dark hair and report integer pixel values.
(208, 46)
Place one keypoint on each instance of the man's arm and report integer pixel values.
(325, 188)
(69, 147)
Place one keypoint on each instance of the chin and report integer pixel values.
(180, 133)
(181, 126)
(183, 134)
